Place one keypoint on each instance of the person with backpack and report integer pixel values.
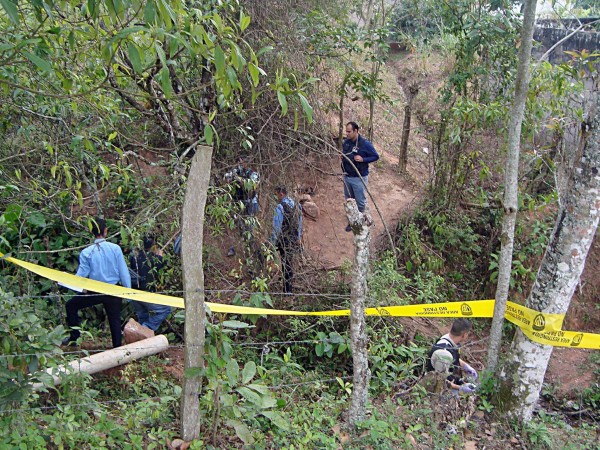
(146, 264)
(444, 358)
(244, 182)
(286, 234)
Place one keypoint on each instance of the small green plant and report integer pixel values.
(537, 434)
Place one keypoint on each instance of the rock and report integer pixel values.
(310, 210)
(134, 332)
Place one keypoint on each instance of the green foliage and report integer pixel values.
(27, 348)
(231, 394)
(328, 344)
(392, 362)
(537, 434)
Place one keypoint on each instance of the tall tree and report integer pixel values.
(522, 374)
(358, 327)
(511, 182)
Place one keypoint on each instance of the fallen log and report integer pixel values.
(108, 359)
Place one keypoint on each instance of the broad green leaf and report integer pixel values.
(37, 219)
(277, 419)
(254, 74)
(263, 50)
(11, 10)
(127, 31)
(161, 54)
(150, 12)
(283, 102)
(250, 395)
(232, 77)
(236, 324)
(308, 110)
(233, 371)
(244, 21)
(134, 57)
(208, 134)
(165, 82)
(248, 372)
(260, 388)
(219, 60)
(41, 64)
(242, 431)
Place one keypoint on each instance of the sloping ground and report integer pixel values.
(326, 240)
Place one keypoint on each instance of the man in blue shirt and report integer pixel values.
(286, 234)
(358, 153)
(101, 261)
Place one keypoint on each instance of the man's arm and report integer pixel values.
(84, 265)
(277, 223)
(123, 270)
(370, 154)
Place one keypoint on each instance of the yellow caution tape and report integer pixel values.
(539, 327)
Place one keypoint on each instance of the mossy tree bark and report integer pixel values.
(358, 328)
(522, 375)
(193, 285)
(511, 184)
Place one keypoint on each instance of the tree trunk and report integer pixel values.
(511, 184)
(523, 372)
(358, 332)
(341, 124)
(403, 156)
(193, 286)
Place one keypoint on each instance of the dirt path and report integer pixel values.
(326, 240)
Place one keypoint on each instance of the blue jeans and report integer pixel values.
(354, 188)
(149, 314)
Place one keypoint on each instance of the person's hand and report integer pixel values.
(468, 388)
(470, 371)
(358, 158)
(158, 252)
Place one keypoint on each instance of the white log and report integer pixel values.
(110, 358)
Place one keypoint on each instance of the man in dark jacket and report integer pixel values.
(286, 234)
(146, 264)
(358, 153)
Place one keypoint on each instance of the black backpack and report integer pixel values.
(291, 223)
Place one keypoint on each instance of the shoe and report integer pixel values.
(231, 252)
(348, 228)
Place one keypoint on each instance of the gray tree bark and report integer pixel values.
(193, 286)
(511, 183)
(522, 374)
(358, 328)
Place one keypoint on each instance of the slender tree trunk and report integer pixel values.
(193, 285)
(403, 156)
(341, 124)
(511, 183)
(523, 372)
(358, 330)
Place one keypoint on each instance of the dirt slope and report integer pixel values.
(325, 239)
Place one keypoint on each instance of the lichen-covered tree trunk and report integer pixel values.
(193, 286)
(358, 332)
(511, 184)
(523, 372)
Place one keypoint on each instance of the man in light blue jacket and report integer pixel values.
(101, 261)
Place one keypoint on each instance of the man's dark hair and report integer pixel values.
(354, 125)
(148, 242)
(460, 327)
(98, 226)
(281, 190)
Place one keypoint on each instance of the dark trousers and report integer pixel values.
(286, 253)
(112, 306)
